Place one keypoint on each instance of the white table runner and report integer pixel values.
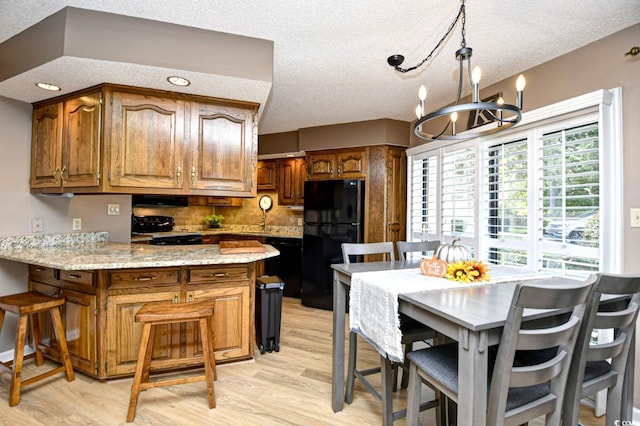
(373, 303)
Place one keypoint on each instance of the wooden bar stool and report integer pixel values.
(25, 305)
(154, 314)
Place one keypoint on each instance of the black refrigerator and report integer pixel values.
(333, 214)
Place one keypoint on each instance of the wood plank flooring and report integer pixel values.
(290, 387)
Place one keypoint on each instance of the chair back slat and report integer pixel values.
(405, 247)
(602, 351)
(360, 249)
(539, 373)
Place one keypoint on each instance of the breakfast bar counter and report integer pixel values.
(106, 283)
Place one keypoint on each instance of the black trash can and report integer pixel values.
(268, 312)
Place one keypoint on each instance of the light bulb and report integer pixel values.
(476, 75)
(500, 101)
(520, 83)
(454, 116)
(419, 112)
(422, 93)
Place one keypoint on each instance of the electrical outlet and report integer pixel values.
(299, 221)
(37, 225)
(113, 209)
(77, 224)
(635, 218)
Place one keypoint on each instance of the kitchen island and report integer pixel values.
(105, 283)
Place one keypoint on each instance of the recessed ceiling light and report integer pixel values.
(48, 86)
(178, 81)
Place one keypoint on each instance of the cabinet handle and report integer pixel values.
(219, 275)
(191, 298)
(179, 174)
(339, 170)
(193, 176)
(145, 278)
(176, 299)
(39, 269)
(64, 169)
(55, 173)
(74, 276)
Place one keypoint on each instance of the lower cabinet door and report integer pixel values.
(79, 319)
(232, 323)
(124, 333)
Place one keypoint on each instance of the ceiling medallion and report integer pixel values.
(504, 115)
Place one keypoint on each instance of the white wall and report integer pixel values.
(18, 206)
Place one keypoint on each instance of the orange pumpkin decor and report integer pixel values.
(433, 267)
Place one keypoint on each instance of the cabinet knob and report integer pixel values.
(190, 298)
(176, 299)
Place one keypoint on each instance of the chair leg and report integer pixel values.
(353, 348)
(65, 358)
(209, 361)
(408, 347)
(413, 396)
(18, 358)
(387, 400)
(140, 364)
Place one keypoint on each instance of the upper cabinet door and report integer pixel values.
(224, 149)
(81, 141)
(46, 147)
(145, 142)
(267, 172)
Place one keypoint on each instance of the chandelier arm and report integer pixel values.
(461, 12)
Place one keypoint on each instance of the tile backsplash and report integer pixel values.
(191, 218)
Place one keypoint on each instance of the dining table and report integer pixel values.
(472, 315)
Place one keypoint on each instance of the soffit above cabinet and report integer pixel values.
(78, 48)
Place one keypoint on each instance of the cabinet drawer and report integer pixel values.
(144, 277)
(218, 274)
(77, 277)
(41, 273)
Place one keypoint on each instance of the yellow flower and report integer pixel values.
(468, 271)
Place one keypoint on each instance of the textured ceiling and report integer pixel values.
(330, 56)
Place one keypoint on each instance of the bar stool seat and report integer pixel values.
(25, 305)
(154, 314)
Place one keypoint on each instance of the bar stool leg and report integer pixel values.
(142, 356)
(146, 368)
(18, 357)
(35, 326)
(62, 343)
(209, 360)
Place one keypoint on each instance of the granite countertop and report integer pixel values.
(86, 251)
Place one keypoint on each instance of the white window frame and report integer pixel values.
(607, 105)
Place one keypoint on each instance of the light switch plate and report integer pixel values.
(635, 218)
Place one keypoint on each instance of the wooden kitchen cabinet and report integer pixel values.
(229, 287)
(223, 142)
(292, 173)
(145, 139)
(66, 145)
(155, 142)
(267, 175)
(79, 314)
(348, 163)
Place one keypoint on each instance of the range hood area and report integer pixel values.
(79, 48)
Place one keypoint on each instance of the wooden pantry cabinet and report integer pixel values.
(144, 141)
(99, 314)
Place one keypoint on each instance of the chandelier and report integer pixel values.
(504, 115)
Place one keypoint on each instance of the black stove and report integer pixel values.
(146, 224)
(176, 239)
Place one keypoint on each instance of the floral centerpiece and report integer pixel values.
(468, 271)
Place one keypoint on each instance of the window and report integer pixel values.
(534, 196)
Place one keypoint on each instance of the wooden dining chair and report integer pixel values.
(405, 247)
(590, 369)
(412, 331)
(517, 393)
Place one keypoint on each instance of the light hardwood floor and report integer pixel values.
(290, 387)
